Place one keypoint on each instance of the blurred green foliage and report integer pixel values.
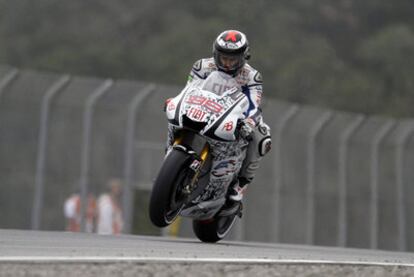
(344, 54)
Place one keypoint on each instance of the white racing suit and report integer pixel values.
(258, 133)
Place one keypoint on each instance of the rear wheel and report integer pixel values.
(216, 228)
(167, 197)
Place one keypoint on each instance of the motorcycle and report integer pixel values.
(208, 147)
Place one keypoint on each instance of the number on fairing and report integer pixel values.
(205, 102)
(196, 114)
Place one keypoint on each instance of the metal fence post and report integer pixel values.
(310, 193)
(379, 136)
(278, 172)
(343, 180)
(129, 154)
(402, 140)
(7, 80)
(85, 147)
(42, 148)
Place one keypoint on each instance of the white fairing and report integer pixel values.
(216, 101)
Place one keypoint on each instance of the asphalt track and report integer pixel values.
(38, 253)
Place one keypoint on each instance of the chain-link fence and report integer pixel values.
(332, 178)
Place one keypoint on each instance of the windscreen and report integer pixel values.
(220, 82)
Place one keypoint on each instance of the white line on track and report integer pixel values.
(92, 259)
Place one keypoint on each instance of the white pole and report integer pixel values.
(42, 148)
(310, 194)
(278, 172)
(127, 197)
(343, 180)
(379, 136)
(86, 142)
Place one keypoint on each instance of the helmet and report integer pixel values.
(231, 50)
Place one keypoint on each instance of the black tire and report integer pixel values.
(214, 229)
(166, 200)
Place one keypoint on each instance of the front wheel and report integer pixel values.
(167, 198)
(216, 228)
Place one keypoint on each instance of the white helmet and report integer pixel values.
(231, 44)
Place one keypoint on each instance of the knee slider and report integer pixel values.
(264, 138)
(265, 144)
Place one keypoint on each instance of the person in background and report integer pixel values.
(72, 212)
(110, 220)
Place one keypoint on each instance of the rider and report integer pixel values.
(230, 52)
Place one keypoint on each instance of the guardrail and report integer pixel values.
(333, 178)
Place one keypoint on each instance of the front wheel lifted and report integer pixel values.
(167, 199)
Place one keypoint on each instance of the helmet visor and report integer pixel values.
(229, 62)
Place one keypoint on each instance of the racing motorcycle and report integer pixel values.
(209, 141)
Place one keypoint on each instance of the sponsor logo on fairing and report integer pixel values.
(224, 168)
(228, 126)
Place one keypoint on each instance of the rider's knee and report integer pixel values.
(262, 141)
(258, 147)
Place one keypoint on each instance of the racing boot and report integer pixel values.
(233, 203)
(238, 189)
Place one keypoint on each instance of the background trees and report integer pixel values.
(347, 54)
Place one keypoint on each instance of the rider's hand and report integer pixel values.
(246, 129)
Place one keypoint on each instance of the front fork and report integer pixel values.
(199, 158)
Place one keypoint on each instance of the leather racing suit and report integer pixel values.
(250, 82)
